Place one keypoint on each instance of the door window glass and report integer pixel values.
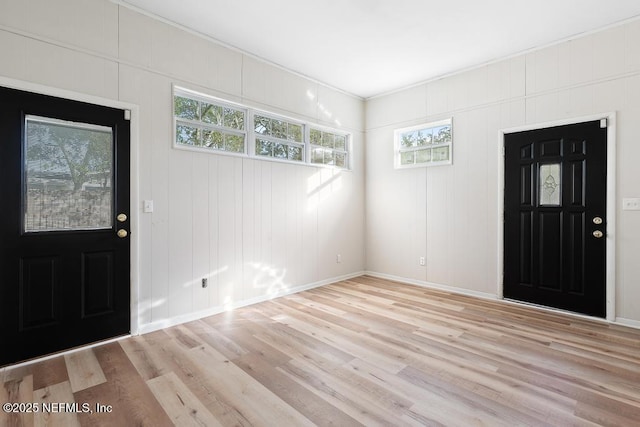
(549, 185)
(68, 175)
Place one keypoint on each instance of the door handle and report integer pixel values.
(122, 233)
(598, 234)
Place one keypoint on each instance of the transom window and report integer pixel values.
(328, 148)
(428, 144)
(278, 138)
(209, 124)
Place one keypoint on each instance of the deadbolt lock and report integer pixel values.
(122, 233)
(121, 217)
(597, 220)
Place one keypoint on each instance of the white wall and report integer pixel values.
(450, 213)
(254, 228)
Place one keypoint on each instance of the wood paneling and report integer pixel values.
(231, 219)
(568, 80)
(365, 351)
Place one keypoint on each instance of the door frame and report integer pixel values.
(611, 203)
(134, 173)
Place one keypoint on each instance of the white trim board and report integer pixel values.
(630, 323)
(431, 285)
(619, 321)
(134, 213)
(611, 201)
(184, 318)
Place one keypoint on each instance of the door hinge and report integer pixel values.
(603, 123)
(127, 114)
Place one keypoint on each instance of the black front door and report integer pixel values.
(64, 244)
(555, 217)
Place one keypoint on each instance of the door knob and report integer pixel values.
(122, 233)
(598, 234)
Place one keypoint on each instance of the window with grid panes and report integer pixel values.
(208, 124)
(428, 144)
(278, 138)
(328, 148)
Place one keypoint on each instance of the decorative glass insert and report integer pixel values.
(278, 138)
(208, 125)
(424, 145)
(68, 173)
(549, 184)
(328, 148)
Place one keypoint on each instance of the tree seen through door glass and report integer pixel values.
(68, 175)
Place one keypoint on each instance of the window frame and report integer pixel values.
(347, 146)
(189, 94)
(251, 136)
(274, 139)
(398, 150)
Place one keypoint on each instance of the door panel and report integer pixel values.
(64, 272)
(555, 185)
(550, 238)
(38, 285)
(97, 283)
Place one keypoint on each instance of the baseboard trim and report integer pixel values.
(184, 318)
(628, 322)
(620, 321)
(432, 285)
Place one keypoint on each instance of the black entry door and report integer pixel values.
(555, 217)
(64, 245)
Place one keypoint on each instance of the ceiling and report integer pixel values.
(369, 47)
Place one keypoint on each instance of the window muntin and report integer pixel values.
(278, 138)
(208, 124)
(429, 144)
(205, 123)
(328, 148)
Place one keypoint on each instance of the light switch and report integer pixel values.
(631, 204)
(147, 206)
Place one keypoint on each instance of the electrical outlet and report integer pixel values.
(147, 206)
(422, 260)
(205, 282)
(631, 204)
(338, 258)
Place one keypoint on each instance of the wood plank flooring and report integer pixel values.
(365, 351)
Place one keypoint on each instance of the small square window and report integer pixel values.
(204, 124)
(428, 144)
(329, 148)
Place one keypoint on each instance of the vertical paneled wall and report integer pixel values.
(253, 228)
(256, 228)
(450, 214)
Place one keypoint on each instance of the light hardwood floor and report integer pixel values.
(365, 351)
